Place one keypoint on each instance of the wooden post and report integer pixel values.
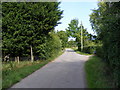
(18, 59)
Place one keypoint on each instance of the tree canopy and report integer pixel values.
(74, 30)
(64, 38)
(28, 24)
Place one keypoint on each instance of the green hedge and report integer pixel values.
(89, 49)
(105, 21)
(51, 46)
(99, 51)
(71, 44)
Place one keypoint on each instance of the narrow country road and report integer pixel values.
(67, 71)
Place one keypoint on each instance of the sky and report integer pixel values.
(79, 10)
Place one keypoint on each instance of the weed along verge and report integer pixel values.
(13, 73)
(97, 74)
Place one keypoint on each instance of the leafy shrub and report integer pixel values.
(89, 49)
(71, 44)
(99, 51)
(51, 46)
(63, 37)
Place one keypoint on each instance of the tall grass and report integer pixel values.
(98, 74)
(13, 72)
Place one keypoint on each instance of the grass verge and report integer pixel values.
(12, 76)
(82, 53)
(77, 51)
(98, 74)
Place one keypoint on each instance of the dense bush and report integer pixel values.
(53, 45)
(50, 47)
(71, 44)
(99, 51)
(89, 49)
(106, 22)
(63, 37)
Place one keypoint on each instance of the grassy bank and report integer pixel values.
(13, 72)
(98, 74)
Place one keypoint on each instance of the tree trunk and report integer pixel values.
(17, 59)
(32, 57)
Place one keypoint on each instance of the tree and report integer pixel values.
(63, 37)
(71, 43)
(74, 30)
(26, 25)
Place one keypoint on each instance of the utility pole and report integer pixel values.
(81, 37)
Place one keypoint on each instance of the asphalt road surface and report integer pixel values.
(67, 71)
